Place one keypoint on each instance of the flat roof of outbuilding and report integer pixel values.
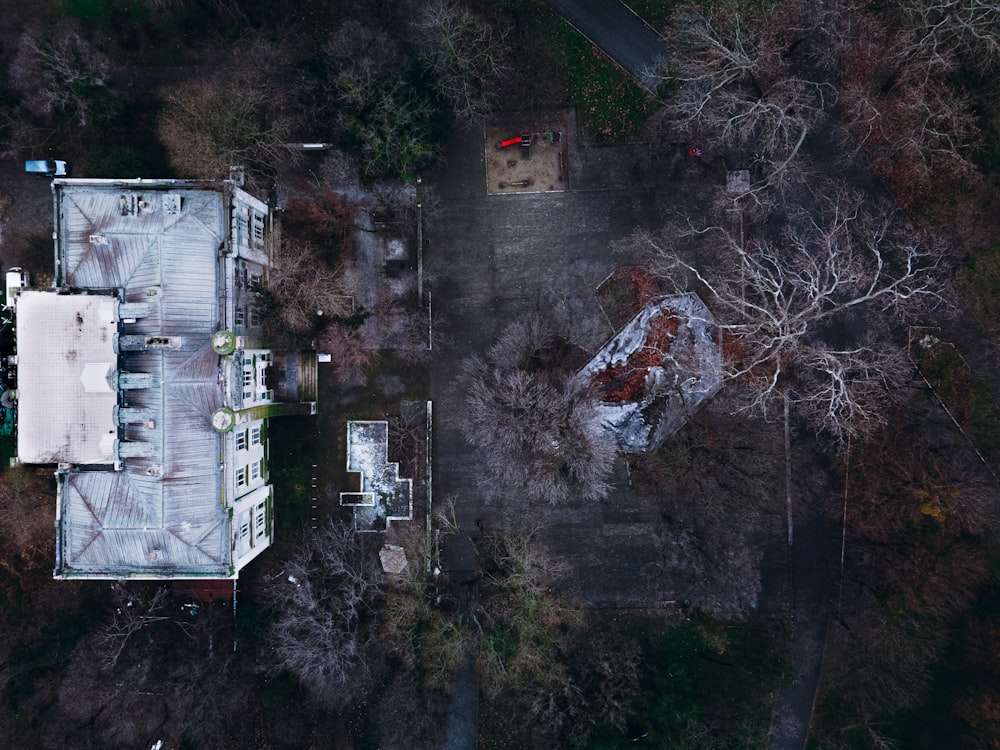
(66, 364)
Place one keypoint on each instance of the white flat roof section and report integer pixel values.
(65, 365)
(384, 496)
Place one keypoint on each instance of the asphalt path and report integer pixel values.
(812, 561)
(617, 31)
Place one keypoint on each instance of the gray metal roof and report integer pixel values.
(164, 513)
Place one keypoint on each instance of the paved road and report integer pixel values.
(615, 30)
(813, 558)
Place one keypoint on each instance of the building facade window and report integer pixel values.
(258, 230)
(241, 440)
(241, 476)
(259, 521)
(240, 316)
(255, 470)
(242, 225)
(255, 436)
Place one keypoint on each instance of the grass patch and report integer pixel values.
(611, 106)
(700, 678)
(656, 13)
(696, 679)
(980, 279)
(969, 399)
(292, 453)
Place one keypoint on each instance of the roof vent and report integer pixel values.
(129, 312)
(133, 381)
(171, 204)
(134, 449)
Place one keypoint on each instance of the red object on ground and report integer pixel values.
(510, 142)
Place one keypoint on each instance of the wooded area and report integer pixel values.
(869, 133)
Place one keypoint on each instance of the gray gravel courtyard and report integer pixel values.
(489, 259)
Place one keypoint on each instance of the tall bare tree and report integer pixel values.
(786, 307)
(64, 74)
(737, 78)
(534, 426)
(937, 34)
(904, 90)
(325, 630)
(304, 287)
(464, 53)
(210, 124)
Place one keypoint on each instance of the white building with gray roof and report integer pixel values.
(143, 378)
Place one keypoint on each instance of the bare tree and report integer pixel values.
(351, 355)
(397, 327)
(523, 624)
(737, 81)
(903, 92)
(304, 288)
(532, 423)
(26, 513)
(917, 127)
(18, 132)
(464, 53)
(210, 124)
(365, 89)
(362, 57)
(325, 629)
(715, 485)
(939, 33)
(133, 611)
(63, 74)
(780, 302)
(421, 624)
(409, 716)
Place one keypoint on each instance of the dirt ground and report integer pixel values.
(25, 220)
(536, 161)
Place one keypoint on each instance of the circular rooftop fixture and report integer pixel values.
(224, 342)
(223, 419)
